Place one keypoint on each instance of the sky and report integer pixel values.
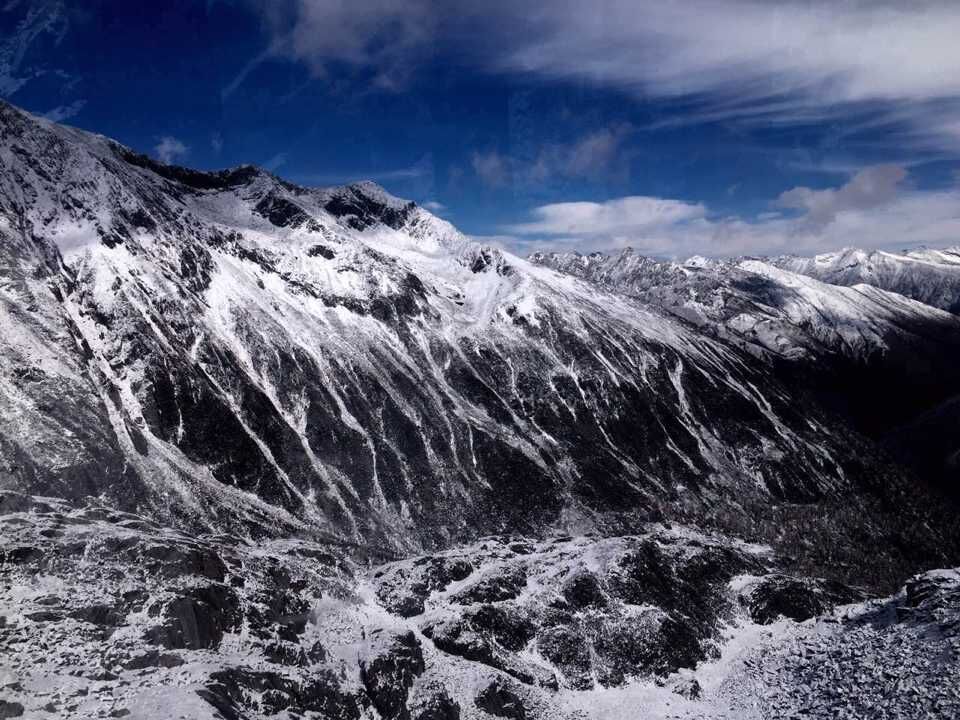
(711, 127)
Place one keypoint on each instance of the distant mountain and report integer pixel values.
(930, 276)
(772, 307)
(881, 359)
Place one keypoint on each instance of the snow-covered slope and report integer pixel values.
(273, 424)
(930, 276)
(883, 360)
(340, 361)
(149, 622)
(766, 308)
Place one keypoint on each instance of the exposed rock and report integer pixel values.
(500, 698)
(198, 618)
(570, 652)
(9, 709)
(776, 596)
(501, 584)
(153, 658)
(582, 590)
(391, 663)
(436, 706)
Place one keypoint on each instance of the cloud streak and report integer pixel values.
(738, 59)
(874, 208)
(749, 61)
(170, 150)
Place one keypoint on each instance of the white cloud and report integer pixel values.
(869, 188)
(772, 62)
(789, 61)
(434, 206)
(873, 209)
(169, 150)
(634, 214)
(491, 167)
(65, 112)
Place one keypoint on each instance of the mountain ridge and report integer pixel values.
(270, 449)
(264, 358)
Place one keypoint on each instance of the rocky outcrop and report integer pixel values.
(97, 621)
(388, 669)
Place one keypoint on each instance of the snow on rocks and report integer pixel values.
(105, 613)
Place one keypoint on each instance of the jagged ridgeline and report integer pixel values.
(228, 351)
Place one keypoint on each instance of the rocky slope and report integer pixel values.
(778, 308)
(881, 359)
(274, 451)
(229, 351)
(108, 614)
(928, 275)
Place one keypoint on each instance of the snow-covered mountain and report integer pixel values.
(928, 275)
(254, 438)
(881, 359)
(773, 307)
(228, 349)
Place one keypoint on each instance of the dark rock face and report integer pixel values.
(197, 619)
(778, 596)
(491, 635)
(502, 584)
(403, 590)
(10, 709)
(582, 590)
(498, 698)
(933, 598)
(388, 672)
(570, 652)
(235, 690)
(652, 643)
(437, 706)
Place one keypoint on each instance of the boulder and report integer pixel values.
(388, 670)
(501, 698)
(197, 618)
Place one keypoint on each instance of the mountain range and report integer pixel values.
(203, 372)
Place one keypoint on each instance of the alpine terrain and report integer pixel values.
(288, 452)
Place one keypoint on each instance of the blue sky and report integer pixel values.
(710, 126)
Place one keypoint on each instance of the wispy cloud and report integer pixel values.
(491, 167)
(276, 162)
(876, 208)
(435, 207)
(65, 112)
(791, 61)
(384, 39)
(746, 61)
(420, 173)
(595, 155)
(170, 150)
